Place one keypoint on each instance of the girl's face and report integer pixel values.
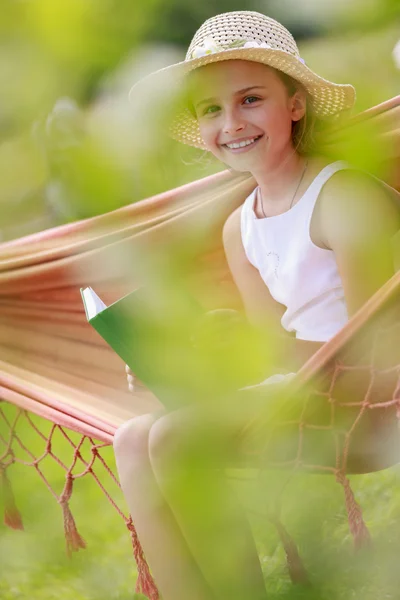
(245, 113)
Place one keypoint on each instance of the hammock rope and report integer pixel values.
(56, 373)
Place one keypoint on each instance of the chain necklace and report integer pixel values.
(293, 197)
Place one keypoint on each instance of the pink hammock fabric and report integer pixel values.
(54, 366)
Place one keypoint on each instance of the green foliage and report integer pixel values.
(372, 15)
(91, 52)
(99, 154)
(177, 20)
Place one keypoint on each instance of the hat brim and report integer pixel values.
(328, 98)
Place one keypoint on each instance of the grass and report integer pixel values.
(34, 563)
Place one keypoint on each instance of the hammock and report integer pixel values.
(54, 366)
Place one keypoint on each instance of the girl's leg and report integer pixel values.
(187, 453)
(173, 566)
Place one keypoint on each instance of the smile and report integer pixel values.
(243, 144)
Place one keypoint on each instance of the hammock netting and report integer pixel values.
(60, 379)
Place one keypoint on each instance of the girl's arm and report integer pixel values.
(261, 309)
(357, 219)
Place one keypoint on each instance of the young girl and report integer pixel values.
(306, 249)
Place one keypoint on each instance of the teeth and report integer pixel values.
(241, 144)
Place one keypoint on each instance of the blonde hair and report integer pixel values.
(305, 131)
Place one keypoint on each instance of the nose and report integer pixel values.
(233, 122)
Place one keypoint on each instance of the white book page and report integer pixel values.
(93, 304)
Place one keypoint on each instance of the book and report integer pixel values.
(153, 334)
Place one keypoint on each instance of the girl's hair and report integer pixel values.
(303, 131)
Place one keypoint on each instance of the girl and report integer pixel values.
(306, 249)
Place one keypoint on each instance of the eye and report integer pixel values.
(210, 110)
(251, 99)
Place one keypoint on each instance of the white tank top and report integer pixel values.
(299, 274)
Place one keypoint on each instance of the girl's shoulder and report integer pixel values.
(232, 225)
(355, 201)
(360, 188)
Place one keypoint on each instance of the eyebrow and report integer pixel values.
(238, 93)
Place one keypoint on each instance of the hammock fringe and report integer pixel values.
(12, 516)
(74, 540)
(357, 526)
(145, 583)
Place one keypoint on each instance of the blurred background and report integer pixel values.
(71, 147)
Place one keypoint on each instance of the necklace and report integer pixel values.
(293, 197)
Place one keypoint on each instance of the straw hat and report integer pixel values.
(248, 35)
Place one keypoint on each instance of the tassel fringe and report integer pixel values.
(74, 540)
(358, 528)
(12, 516)
(145, 582)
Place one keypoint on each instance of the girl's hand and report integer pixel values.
(130, 377)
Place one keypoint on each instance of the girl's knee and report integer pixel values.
(160, 439)
(131, 439)
(168, 438)
(177, 436)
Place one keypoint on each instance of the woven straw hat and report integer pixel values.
(248, 35)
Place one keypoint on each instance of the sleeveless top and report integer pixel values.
(299, 274)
